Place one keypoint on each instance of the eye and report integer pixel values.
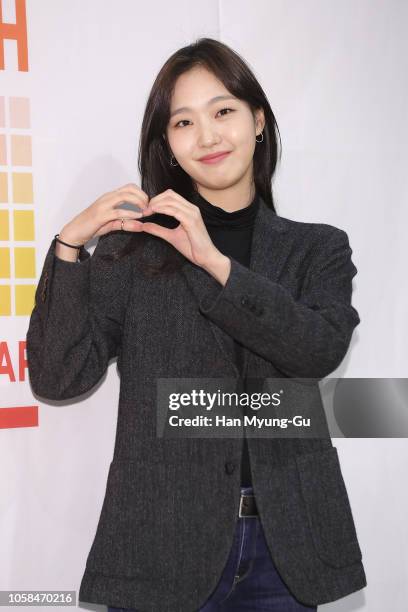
(220, 111)
(226, 109)
(182, 121)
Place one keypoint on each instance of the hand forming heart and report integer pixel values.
(190, 238)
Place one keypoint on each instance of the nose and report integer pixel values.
(208, 135)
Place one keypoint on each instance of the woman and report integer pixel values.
(205, 281)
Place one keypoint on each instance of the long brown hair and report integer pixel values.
(157, 174)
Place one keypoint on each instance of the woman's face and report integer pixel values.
(203, 126)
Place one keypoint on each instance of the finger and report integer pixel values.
(121, 197)
(129, 193)
(169, 194)
(129, 225)
(158, 230)
(116, 215)
(121, 213)
(133, 188)
(165, 193)
(175, 209)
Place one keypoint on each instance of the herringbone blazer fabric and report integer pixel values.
(291, 310)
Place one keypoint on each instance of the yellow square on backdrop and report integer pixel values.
(25, 299)
(5, 301)
(23, 224)
(24, 262)
(4, 225)
(3, 188)
(4, 262)
(20, 150)
(22, 187)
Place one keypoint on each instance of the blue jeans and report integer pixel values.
(250, 581)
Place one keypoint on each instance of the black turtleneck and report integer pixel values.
(231, 232)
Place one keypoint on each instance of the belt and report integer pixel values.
(247, 507)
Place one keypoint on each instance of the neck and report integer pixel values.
(231, 199)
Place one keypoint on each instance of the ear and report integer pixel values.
(259, 120)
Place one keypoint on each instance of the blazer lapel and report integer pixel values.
(271, 245)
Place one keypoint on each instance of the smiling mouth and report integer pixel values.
(213, 160)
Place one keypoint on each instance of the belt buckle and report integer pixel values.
(240, 508)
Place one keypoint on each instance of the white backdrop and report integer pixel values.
(336, 76)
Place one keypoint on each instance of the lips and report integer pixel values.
(214, 157)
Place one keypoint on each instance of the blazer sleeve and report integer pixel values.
(76, 325)
(305, 338)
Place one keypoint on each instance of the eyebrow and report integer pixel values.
(183, 109)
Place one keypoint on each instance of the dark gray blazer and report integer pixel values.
(171, 505)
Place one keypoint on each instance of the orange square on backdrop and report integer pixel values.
(22, 187)
(19, 112)
(3, 150)
(21, 150)
(2, 114)
(3, 188)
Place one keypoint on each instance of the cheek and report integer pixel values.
(183, 146)
(242, 135)
(244, 145)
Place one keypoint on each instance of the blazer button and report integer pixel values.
(229, 467)
(244, 301)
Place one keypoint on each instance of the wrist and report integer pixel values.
(65, 236)
(65, 252)
(219, 266)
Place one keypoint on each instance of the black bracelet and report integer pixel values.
(68, 245)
